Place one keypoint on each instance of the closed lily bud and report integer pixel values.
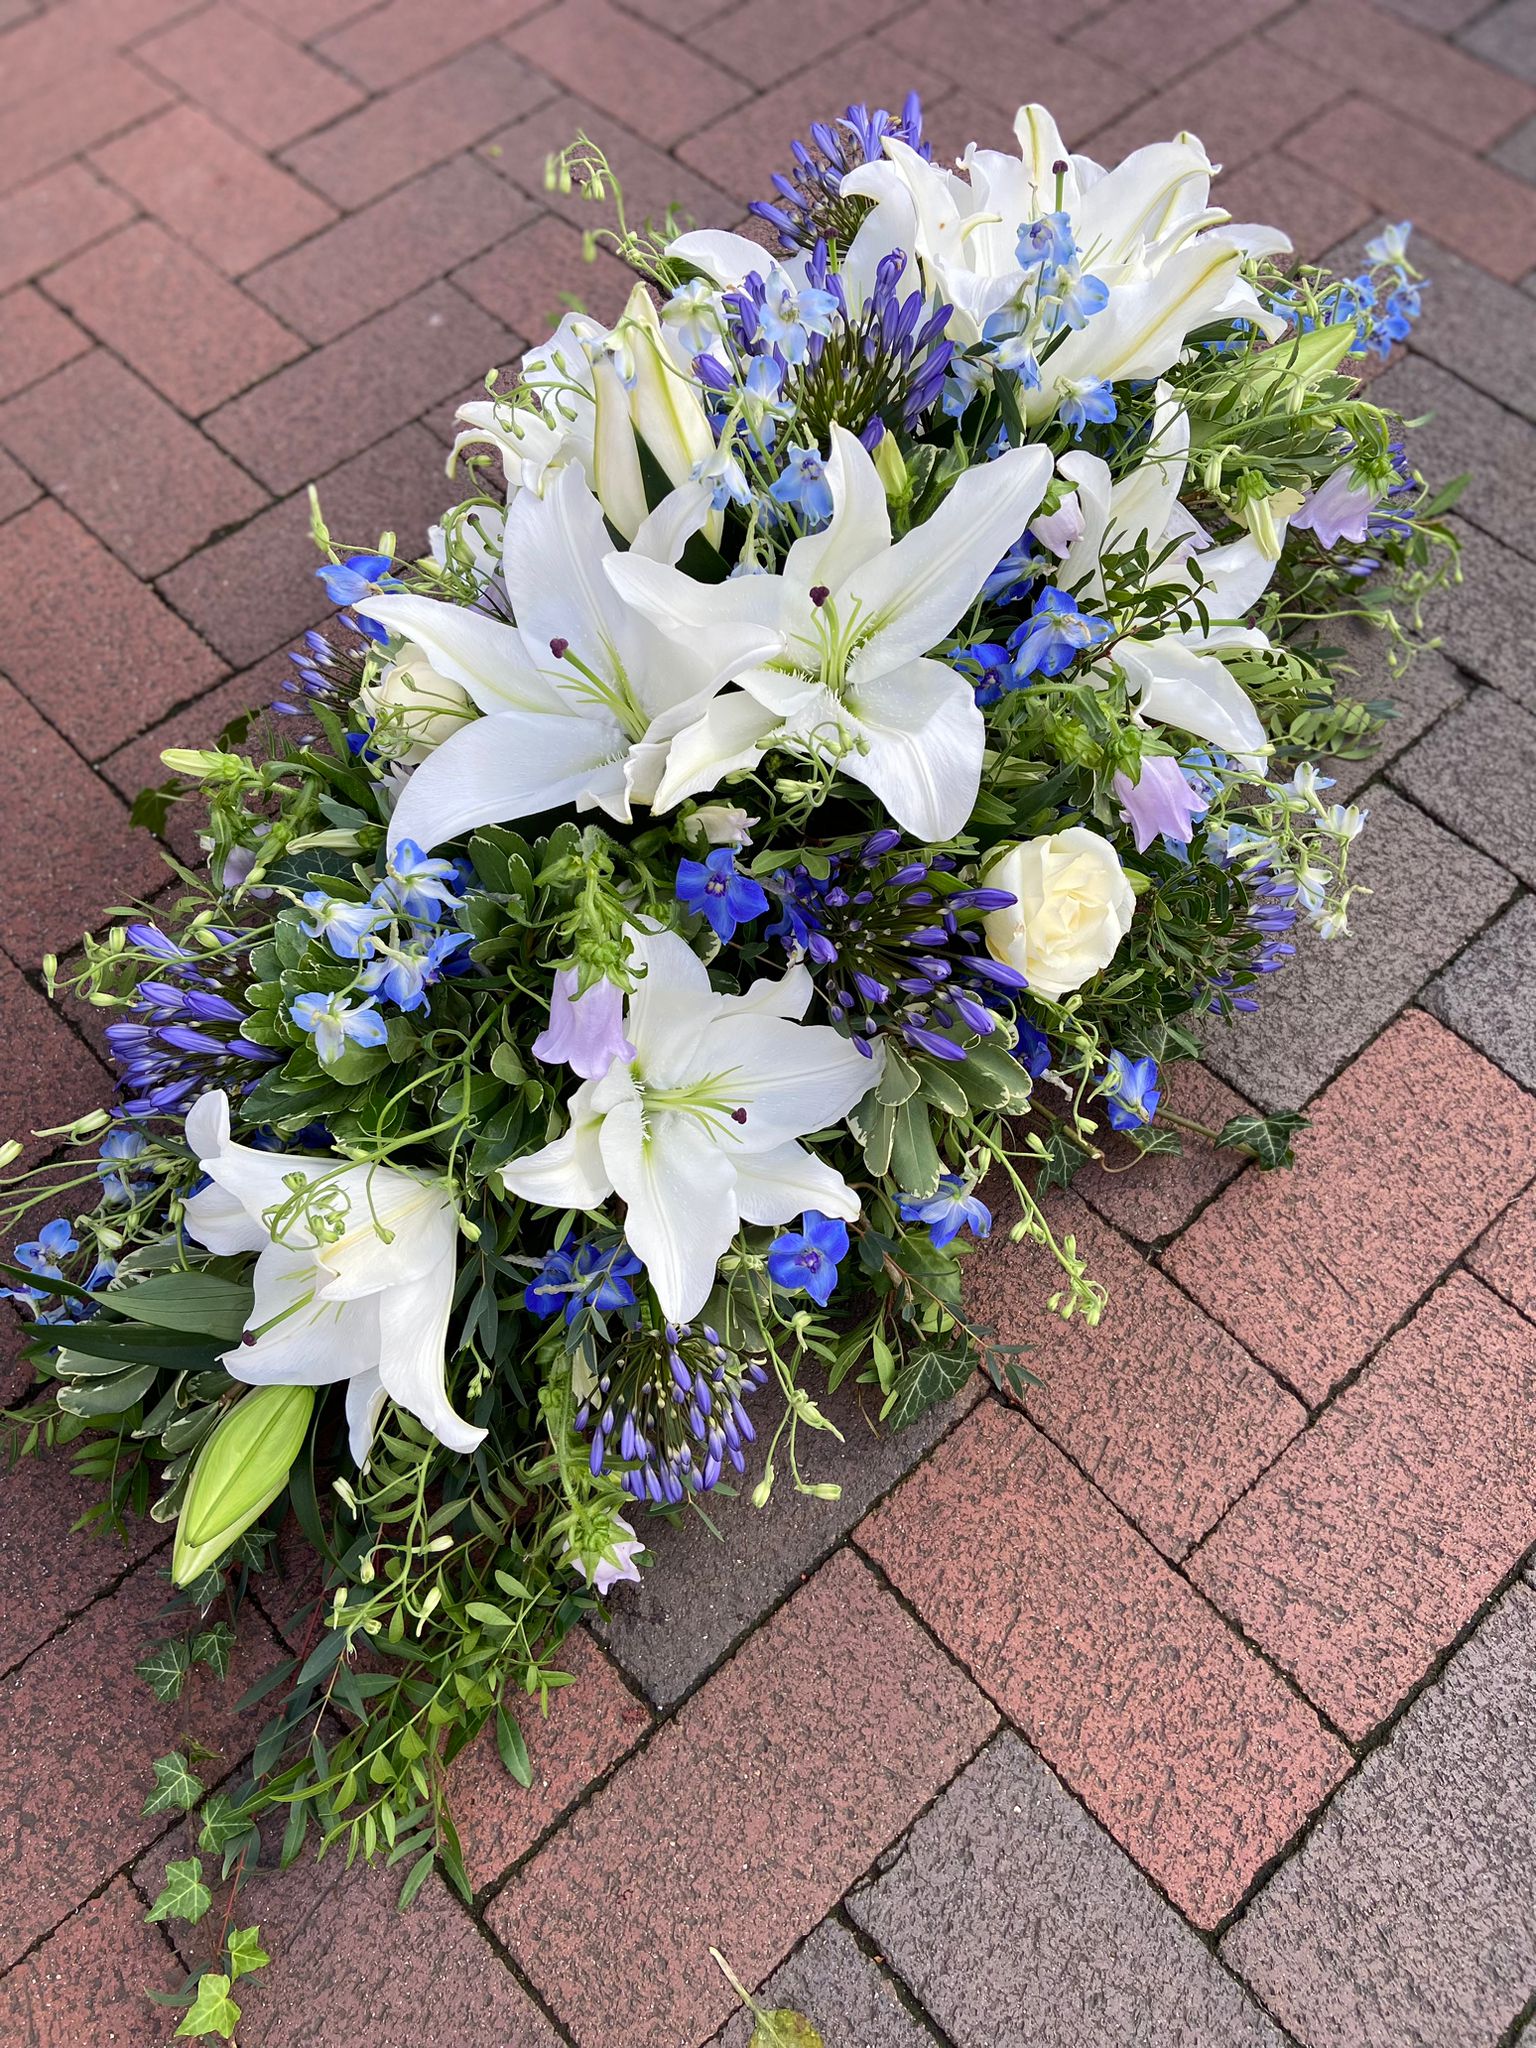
(616, 474)
(240, 1471)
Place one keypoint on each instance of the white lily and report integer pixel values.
(579, 696)
(698, 1132)
(856, 616)
(1176, 673)
(354, 1275)
(536, 440)
(1171, 262)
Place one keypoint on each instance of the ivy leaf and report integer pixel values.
(1060, 1157)
(1150, 1139)
(926, 1378)
(177, 1790)
(223, 1822)
(784, 2028)
(213, 2010)
(185, 1896)
(212, 1646)
(1266, 1138)
(164, 1670)
(245, 1952)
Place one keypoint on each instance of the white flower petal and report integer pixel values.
(790, 1078)
(728, 737)
(413, 1336)
(678, 1188)
(497, 769)
(1196, 693)
(860, 527)
(914, 594)
(777, 1186)
(365, 1404)
(567, 1173)
(314, 1347)
(477, 652)
(924, 741)
(724, 258)
(398, 1226)
(553, 560)
(222, 1224)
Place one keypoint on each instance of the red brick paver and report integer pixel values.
(1182, 1741)
(1379, 1534)
(1412, 1152)
(807, 1780)
(247, 244)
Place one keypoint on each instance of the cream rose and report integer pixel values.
(414, 708)
(1074, 907)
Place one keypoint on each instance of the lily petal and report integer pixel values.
(479, 653)
(779, 1185)
(790, 1078)
(567, 1173)
(497, 769)
(680, 1204)
(924, 739)
(413, 1339)
(1196, 693)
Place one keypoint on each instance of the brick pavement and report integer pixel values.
(1191, 1706)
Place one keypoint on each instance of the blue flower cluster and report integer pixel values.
(669, 1414)
(891, 952)
(184, 1032)
(45, 1257)
(810, 206)
(400, 939)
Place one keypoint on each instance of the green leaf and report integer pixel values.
(185, 1896)
(415, 1878)
(915, 1162)
(926, 1378)
(213, 2010)
(177, 1789)
(114, 1395)
(223, 1822)
(1060, 1158)
(1149, 1138)
(1267, 1138)
(212, 1646)
(784, 2028)
(164, 1670)
(511, 1747)
(245, 1952)
(199, 1302)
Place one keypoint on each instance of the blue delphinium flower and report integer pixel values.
(788, 318)
(805, 1261)
(950, 1209)
(1085, 400)
(1053, 636)
(418, 884)
(43, 1253)
(720, 894)
(1032, 1049)
(1046, 243)
(1130, 1090)
(347, 928)
(359, 576)
(403, 973)
(1073, 300)
(334, 1023)
(119, 1149)
(802, 485)
(582, 1273)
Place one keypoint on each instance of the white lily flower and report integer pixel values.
(856, 615)
(699, 1132)
(354, 1275)
(1175, 673)
(580, 696)
(535, 441)
(1144, 229)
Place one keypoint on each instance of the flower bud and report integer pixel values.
(240, 1471)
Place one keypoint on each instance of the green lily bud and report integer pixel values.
(240, 1471)
(892, 470)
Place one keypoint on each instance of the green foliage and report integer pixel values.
(177, 1789)
(212, 2011)
(185, 1896)
(1265, 1138)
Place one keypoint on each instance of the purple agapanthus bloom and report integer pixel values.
(950, 1209)
(585, 1031)
(1161, 803)
(805, 1261)
(717, 890)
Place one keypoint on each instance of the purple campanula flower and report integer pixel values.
(1339, 509)
(1161, 803)
(585, 1031)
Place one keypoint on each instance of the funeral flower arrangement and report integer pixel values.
(852, 736)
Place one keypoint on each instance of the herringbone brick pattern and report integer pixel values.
(1192, 1706)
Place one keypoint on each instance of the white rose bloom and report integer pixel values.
(414, 707)
(1074, 907)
